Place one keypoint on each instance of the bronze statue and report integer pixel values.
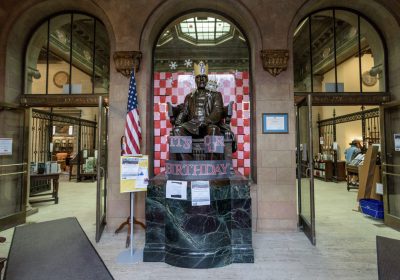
(203, 110)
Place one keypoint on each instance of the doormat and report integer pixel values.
(51, 250)
(388, 253)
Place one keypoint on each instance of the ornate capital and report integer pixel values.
(275, 61)
(125, 61)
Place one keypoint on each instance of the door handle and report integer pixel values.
(101, 169)
(308, 172)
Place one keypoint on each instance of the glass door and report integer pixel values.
(305, 168)
(102, 139)
(13, 165)
(390, 145)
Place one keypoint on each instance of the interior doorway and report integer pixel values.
(67, 164)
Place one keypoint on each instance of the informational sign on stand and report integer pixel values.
(6, 146)
(200, 193)
(134, 173)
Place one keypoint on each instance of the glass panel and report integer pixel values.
(101, 169)
(302, 61)
(228, 73)
(392, 127)
(393, 189)
(59, 55)
(12, 185)
(372, 59)
(323, 63)
(82, 54)
(36, 62)
(102, 59)
(347, 58)
(305, 181)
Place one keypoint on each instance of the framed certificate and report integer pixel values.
(275, 123)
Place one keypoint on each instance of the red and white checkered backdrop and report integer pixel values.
(173, 87)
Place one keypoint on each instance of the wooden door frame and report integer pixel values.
(389, 220)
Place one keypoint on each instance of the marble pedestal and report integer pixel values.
(208, 236)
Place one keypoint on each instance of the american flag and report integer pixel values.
(133, 134)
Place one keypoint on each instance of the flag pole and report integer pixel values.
(132, 147)
(132, 217)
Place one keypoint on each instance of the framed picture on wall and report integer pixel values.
(275, 123)
(63, 130)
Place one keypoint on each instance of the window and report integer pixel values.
(68, 54)
(337, 50)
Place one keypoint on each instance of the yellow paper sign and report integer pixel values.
(134, 173)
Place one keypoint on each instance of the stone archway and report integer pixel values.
(379, 13)
(171, 10)
(23, 22)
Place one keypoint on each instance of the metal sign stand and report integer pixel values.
(131, 256)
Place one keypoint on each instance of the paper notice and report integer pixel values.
(176, 190)
(200, 193)
(379, 188)
(6, 146)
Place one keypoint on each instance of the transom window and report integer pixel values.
(337, 50)
(68, 54)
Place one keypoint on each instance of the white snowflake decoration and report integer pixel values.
(173, 65)
(188, 63)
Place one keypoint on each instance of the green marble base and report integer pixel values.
(199, 236)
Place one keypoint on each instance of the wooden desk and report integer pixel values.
(54, 192)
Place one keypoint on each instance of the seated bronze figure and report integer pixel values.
(203, 112)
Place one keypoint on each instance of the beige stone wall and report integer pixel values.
(134, 25)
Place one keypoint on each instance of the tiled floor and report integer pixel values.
(345, 242)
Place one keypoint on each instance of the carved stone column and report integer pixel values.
(275, 61)
(125, 61)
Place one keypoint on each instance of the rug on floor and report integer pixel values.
(56, 249)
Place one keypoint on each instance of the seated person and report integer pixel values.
(352, 151)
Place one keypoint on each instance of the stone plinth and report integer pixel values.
(199, 236)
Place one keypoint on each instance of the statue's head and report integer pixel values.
(201, 72)
(201, 81)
